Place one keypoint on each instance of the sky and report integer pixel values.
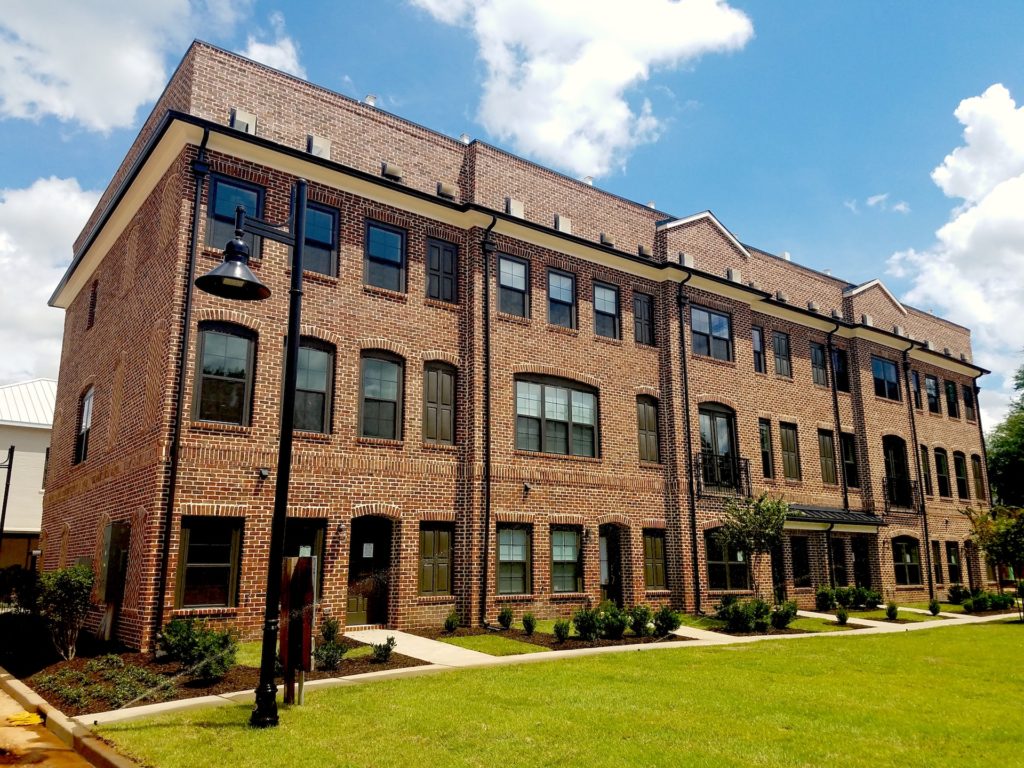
(875, 139)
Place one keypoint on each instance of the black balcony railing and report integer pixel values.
(900, 494)
(728, 475)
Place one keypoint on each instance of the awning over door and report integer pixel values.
(805, 517)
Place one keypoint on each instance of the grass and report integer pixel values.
(493, 645)
(547, 626)
(878, 614)
(817, 625)
(944, 607)
(249, 653)
(709, 623)
(755, 704)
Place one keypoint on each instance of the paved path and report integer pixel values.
(32, 744)
(422, 648)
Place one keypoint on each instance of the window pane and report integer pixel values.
(206, 585)
(385, 245)
(314, 365)
(556, 403)
(527, 434)
(701, 321)
(719, 326)
(528, 402)
(556, 437)
(512, 274)
(582, 440)
(380, 379)
(560, 287)
(222, 400)
(309, 411)
(606, 300)
(386, 275)
(513, 302)
(583, 407)
(227, 197)
(560, 314)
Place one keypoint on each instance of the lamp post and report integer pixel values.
(233, 279)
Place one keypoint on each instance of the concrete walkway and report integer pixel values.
(422, 648)
(32, 743)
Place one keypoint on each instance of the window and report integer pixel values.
(606, 311)
(969, 412)
(931, 388)
(381, 396)
(720, 467)
(827, 451)
(942, 472)
(514, 286)
(838, 547)
(439, 404)
(442, 271)
(320, 252)
(226, 373)
(757, 342)
(887, 383)
(554, 417)
(84, 426)
(979, 480)
(90, 319)
(513, 560)
(647, 428)
(841, 369)
(561, 299)
(566, 568)
(953, 561)
(385, 257)
(952, 402)
(764, 427)
(643, 318)
(937, 561)
(819, 373)
(225, 196)
(790, 451)
(960, 471)
(208, 560)
(783, 363)
(800, 551)
(313, 386)
(712, 334)
(304, 537)
(436, 558)
(727, 566)
(46, 467)
(906, 560)
(848, 445)
(915, 386)
(926, 470)
(654, 560)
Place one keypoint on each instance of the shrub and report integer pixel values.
(860, 596)
(64, 603)
(641, 619)
(451, 621)
(842, 616)
(613, 621)
(329, 652)
(783, 614)
(760, 611)
(562, 630)
(825, 599)
(744, 616)
(958, 593)
(1000, 601)
(382, 651)
(933, 607)
(106, 679)
(890, 611)
(587, 623)
(983, 601)
(666, 621)
(505, 617)
(204, 652)
(844, 596)
(968, 605)
(872, 599)
(529, 623)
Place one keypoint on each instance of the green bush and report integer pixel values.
(64, 603)
(613, 621)
(844, 596)
(983, 601)
(529, 623)
(783, 614)
(958, 593)
(666, 621)
(872, 599)
(891, 611)
(587, 623)
(825, 599)
(934, 607)
(842, 616)
(641, 619)
(204, 652)
(1000, 601)
(382, 651)
(451, 621)
(968, 605)
(860, 596)
(106, 680)
(329, 652)
(744, 615)
(562, 630)
(505, 617)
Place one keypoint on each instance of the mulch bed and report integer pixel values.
(538, 638)
(238, 678)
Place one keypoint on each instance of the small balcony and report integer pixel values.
(900, 495)
(722, 475)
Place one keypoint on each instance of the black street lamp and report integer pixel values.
(234, 280)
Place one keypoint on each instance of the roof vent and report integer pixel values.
(515, 208)
(734, 275)
(651, 205)
(867, 319)
(370, 100)
(755, 285)
(837, 315)
(812, 305)
(391, 171)
(946, 352)
(243, 121)
(827, 272)
(930, 346)
(786, 256)
(607, 240)
(644, 251)
(446, 191)
(781, 296)
(963, 357)
(588, 180)
(686, 259)
(464, 138)
(318, 146)
(898, 330)
(563, 223)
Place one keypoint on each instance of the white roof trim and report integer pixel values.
(709, 216)
(871, 284)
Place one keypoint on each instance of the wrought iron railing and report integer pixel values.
(722, 475)
(900, 495)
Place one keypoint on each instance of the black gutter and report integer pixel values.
(681, 302)
(489, 248)
(837, 447)
(200, 169)
(920, 474)
(829, 561)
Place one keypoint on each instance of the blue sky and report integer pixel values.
(807, 126)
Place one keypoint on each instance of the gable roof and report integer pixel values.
(706, 216)
(28, 403)
(850, 292)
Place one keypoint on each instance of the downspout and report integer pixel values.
(837, 447)
(829, 563)
(681, 301)
(489, 248)
(920, 475)
(200, 169)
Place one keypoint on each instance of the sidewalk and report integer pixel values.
(32, 744)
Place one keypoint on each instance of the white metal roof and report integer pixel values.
(28, 403)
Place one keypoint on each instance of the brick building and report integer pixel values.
(558, 422)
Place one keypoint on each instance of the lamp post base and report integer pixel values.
(265, 713)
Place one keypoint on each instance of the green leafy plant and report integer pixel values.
(825, 599)
(982, 601)
(329, 651)
(641, 620)
(666, 621)
(842, 616)
(382, 651)
(1000, 601)
(562, 629)
(934, 607)
(587, 623)
(205, 653)
(783, 614)
(744, 615)
(612, 620)
(845, 597)
(529, 623)
(958, 593)
(891, 611)
(968, 605)
(452, 621)
(108, 681)
(872, 599)
(64, 603)
(505, 617)
(753, 526)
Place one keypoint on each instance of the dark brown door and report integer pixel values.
(369, 571)
(861, 564)
(778, 573)
(611, 564)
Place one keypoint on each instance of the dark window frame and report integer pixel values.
(915, 386)
(213, 219)
(979, 478)
(926, 469)
(937, 562)
(931, 388)
(827, 454)
(643, 321)
(802, 572)
(757, 345)
(399, 421)
(505, 290)
(791, 468)
(248, 381)
(232, 566)
(886, 387)
(327, 414)
(851, 467)
(942, 473)
(436, 568)
(969, 410)
(368, 257)
(764, 436)
(952, 399)
(953, 562)
(317, 246)
(558, 565)
(655, 570)
(707, 339)
(841, 369)
(963, 488)
(86, 404)
(572, 304)
(440, 274)
(543, 420)
(819, 366)
(616, 318)
(527, 561)
(727, 561)
(440, 369)
(782, 350)
(647, 408)
(906, 560)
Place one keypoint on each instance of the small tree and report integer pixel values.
(64, 603)
(754, 526)
(999, 534)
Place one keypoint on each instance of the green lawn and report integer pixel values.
(894, 700)
(817, 625)
(249, 653)
(878, 614)
(709, 623)
(945, 607)
(493, 644)
(547, 626)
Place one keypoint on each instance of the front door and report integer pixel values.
(717, 449)
(897, 472)
(611, 570)
(369, 571)
(861, 564)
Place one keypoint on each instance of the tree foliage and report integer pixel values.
(999, 533)
(1006, 451)
(753, 525)
(64, 603)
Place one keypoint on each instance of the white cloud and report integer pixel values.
(974, 272)
(901, 207)
(877, 200)
(281, 54)
(852, 205)
(37, 227)
(95, 62)
(558, 73)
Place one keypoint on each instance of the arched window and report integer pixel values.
(226, 373)
(979, 480)
(382, 390)
(647, 428)
(906, 560)
(942, 472)
(314, 386)
(719, 462)
(439, 403)
(727, 566)
(960, 469)
(556, 416)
